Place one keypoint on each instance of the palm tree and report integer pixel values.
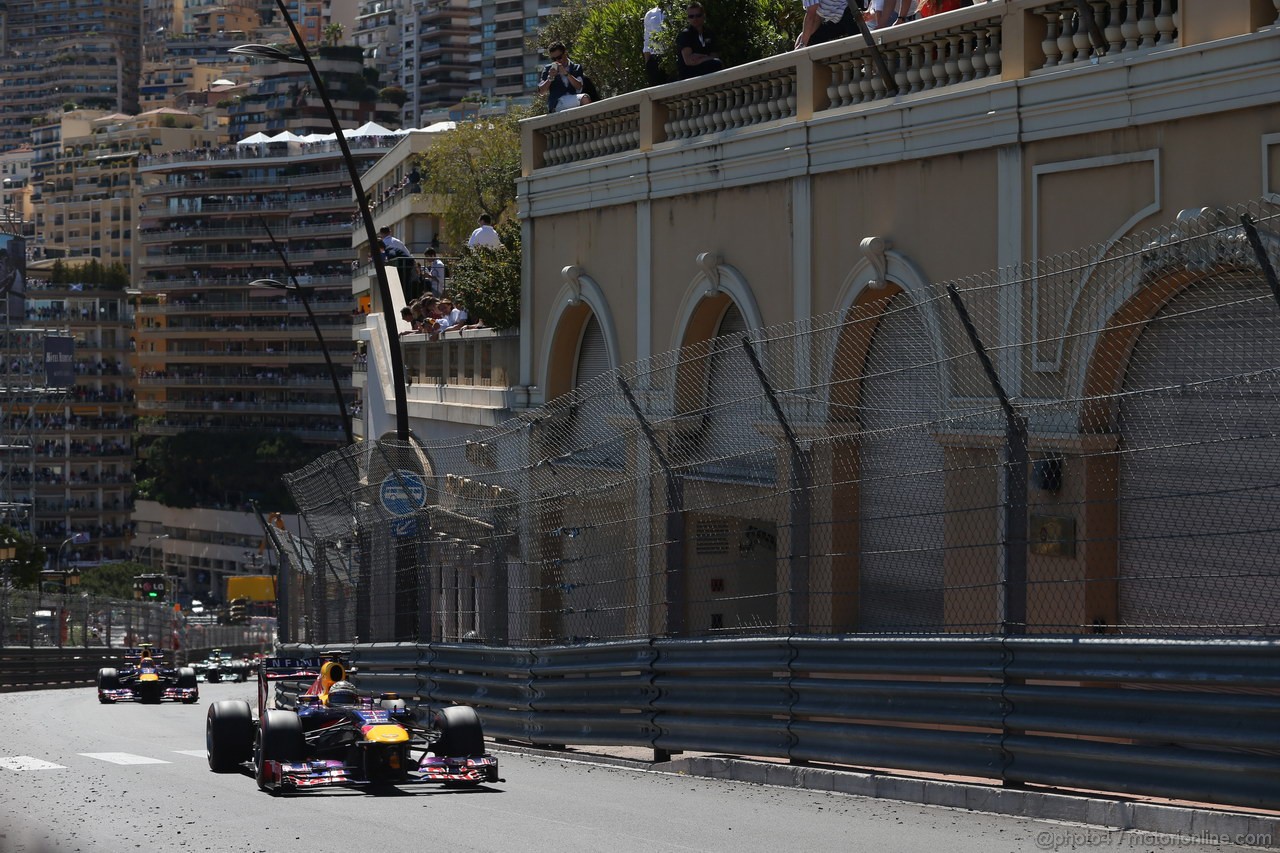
(332, 34)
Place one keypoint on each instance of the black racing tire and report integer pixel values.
(280, 738)
(108, 679)
(228, 735)
(460, 733)
(186, 677)
(212, 677)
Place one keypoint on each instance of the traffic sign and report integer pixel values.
(403, 527)
(403, 492)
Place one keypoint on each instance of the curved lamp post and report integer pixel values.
(264, 51)
(303, 293)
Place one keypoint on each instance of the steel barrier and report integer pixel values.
(1188, 719)
(46, 667)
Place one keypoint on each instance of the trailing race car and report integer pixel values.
(219, 665)
(145, 677)
(339, 737)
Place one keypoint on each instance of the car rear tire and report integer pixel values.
(280, 738)
(460, 733)
(228, 735)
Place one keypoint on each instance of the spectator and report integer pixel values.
(392, 247)
(452, 316)
(415, 180)
(653, 21)
(561, 80)
(435, 273)
(826, 20)
(937, 7)
(695, 48)
(484, 235)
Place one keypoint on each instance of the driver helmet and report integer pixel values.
(343, 693)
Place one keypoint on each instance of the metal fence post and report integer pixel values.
(801, 497)
(675, 521)
(1014, 618)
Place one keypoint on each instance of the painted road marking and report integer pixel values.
(26, 762)
(123, 758)
(194, 753)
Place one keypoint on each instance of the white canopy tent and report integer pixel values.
(255, 139)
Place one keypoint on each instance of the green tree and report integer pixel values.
(227, 469)
(487, 282)
(114, 580)
(473, 170)
(606, 36)
(394, 95)
(28, 559)
(331, 36)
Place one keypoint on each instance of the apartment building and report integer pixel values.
(436, 67)
(82, 52)
(69, 451)
(506, 69)
(90, 187)
(17, 216)
(214, 352)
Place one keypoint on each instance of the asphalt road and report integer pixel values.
(79, 776)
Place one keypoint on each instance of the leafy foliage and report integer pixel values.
(114, 580)
(28, 559)
(606, 36)
(473, 169)
(487, 282)
(94, 273)
(223, 469)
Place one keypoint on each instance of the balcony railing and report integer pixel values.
(476, 358)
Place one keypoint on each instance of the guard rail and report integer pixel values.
(1186, 719)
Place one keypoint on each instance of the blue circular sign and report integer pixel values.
(403, 492)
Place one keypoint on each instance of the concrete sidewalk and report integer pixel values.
(1181, 820)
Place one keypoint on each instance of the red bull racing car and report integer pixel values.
(338, 736)
(144, 677)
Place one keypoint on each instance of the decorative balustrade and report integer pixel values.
(740, 103)
(1105, 28)
(597, 135)
(919, 59)
(996, 41)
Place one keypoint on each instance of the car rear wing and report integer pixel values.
(136, 654)
(289, 669)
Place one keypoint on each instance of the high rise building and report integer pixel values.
(214, 352)
(435, 70)
(502, 67)
(91, 189)
(82, 52)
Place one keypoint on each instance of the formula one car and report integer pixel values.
(339, 737)
(144, 677)
(219, 665)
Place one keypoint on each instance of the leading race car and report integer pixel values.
(339, 737)
(219, 666)
(143, 676)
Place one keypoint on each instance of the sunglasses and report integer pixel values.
(556, 57)
(693, 16)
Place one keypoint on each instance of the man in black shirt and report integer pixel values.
(561, 81)
(695, 48)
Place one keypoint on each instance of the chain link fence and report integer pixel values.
(1086, 444)
(30, 619)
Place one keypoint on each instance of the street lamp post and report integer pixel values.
(263, 51)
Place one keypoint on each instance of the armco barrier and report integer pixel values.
(48, 667)
(1188, 719)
